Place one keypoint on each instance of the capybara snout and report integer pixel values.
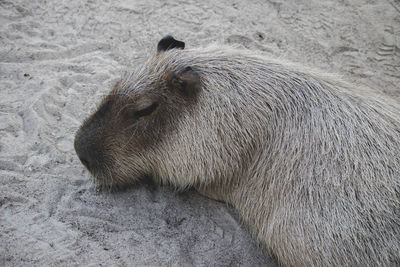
(87, 144)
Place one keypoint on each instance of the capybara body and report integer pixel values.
(311, 163)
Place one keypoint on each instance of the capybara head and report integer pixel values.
(137, 129)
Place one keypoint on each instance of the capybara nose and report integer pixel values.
(83, 156)
(84, 161)
(84, 152)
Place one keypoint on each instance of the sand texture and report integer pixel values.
(57, 60)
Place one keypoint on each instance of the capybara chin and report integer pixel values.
(311, 163)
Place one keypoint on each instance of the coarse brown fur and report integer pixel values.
(311, 163)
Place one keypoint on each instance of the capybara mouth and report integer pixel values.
(109, 184)
(100, 181)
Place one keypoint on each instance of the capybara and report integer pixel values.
(311, 163)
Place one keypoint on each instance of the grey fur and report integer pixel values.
(311, 163)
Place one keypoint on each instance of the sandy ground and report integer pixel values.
(57, 59)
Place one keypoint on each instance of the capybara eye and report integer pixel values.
(146, 111)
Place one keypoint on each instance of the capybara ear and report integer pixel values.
(186, 81)
(168, 42)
